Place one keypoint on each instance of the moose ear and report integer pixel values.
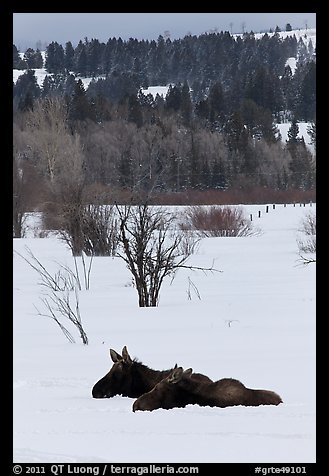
(188, 372)
(126, 356)
(175, 366)
(115, 356)
(176, 375)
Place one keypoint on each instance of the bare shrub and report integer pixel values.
(216, 221)
(308, 224)
(307, 228)
(100, 230)
(60, 305)
(60, 290)
(89, 229)
(307, 245)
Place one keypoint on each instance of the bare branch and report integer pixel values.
(52, 316)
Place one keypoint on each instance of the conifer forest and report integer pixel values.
(213, 137)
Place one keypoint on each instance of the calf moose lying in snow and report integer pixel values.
(131, 378)
(179, 388)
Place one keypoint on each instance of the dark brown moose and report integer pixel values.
(129, 377)
(180, 388)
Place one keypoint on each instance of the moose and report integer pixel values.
(130, 378)
(179, 388)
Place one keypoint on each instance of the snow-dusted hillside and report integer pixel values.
(306, 35)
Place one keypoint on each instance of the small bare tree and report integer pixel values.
(19, 200)
(60, 296)
(307, 243)
(152, 247)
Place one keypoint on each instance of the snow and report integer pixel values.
(41, 73)
(292, 62)
(255, 322)
(154, 90)
(284, 128)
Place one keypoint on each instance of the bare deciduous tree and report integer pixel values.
(19, 200)
(152, 247)
(47, 130)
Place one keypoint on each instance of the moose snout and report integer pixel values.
(137, 406)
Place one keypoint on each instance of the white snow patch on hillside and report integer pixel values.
(154, 90)
(292, 62)
(284, 128)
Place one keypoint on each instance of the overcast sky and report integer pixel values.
(29, 28)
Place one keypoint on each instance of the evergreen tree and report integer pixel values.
(186, 104)
(202, 109)
(47, 86)
(302, 53)
(55, 58)
(236, 133)
(38, 59)
(33, 59)
(134, 111)
(216, 102)
(173, 98)
(16, 58)
(301, 167)
(287, 88)
(307, 94)
(108, 55)
(310, 48)
(26, 88)
(80, 108)
(311, 130)
(69, 57)
(26, 102)
(94, 55)
(293, 132)
(81, 62)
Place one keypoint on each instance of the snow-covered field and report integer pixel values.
(255, 321)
